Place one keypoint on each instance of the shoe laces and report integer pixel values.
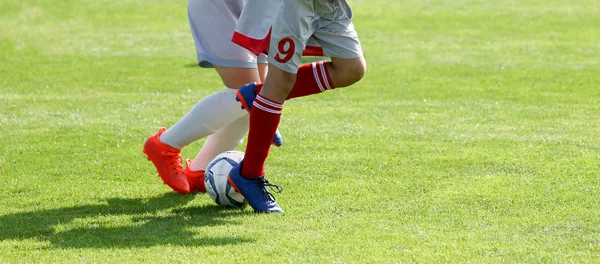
(174, 158)
(274, 188)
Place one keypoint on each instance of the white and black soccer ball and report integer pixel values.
(215, 179)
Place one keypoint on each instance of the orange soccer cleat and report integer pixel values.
(167, 161)
(195, 178)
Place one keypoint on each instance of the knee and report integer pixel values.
(357, 70)
(349, 71)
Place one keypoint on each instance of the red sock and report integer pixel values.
(312, 78)
(264, 119)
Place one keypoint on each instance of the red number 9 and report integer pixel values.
(287, 52)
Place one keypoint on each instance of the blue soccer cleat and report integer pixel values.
(246, 95)
(277, 139)
(255, 191)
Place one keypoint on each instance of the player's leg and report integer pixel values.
(213, 112)
(311, 78)
(237, 77)
(314, 78)
(264, 119)
(208, 20)
(339, 41)
(289, 34)
(318, 77)
(287, 44)
(207, 116)
(345, 72)
(226, 138)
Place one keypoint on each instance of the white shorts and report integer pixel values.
(328, 22)
(212, 23)
(254, 27)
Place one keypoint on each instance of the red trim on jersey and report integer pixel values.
(256, 46)
(313, 51)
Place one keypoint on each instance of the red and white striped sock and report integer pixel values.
(312, 78)
(264, 119)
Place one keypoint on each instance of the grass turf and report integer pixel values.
(473, 138)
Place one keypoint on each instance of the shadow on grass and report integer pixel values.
(191, 65)
(122, 223)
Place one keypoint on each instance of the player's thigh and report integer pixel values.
(237, 77)
(263, 69)
(234, 77)
(212, 23)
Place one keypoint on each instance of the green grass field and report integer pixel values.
(474, 137)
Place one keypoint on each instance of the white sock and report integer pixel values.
(225, 139)
(206, 117)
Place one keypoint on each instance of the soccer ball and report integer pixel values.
(215, 179)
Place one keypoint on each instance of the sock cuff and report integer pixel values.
(322, 76)
(267, 105)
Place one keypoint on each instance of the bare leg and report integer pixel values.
(278, 84)
(345, 72)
